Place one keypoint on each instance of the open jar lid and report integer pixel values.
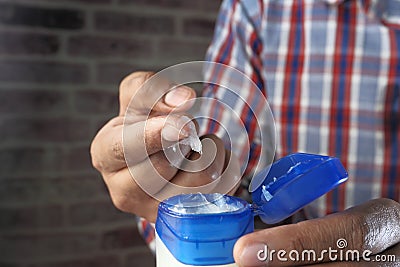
(293, 182)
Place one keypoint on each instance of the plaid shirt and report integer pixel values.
(330, 70)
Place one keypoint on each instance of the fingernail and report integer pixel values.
(174, 130)
(255, 255)
(177, 96)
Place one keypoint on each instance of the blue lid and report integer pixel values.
(293, 182)
(198, 238)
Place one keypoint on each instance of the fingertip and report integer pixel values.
(237, 250)
(179, 96)
(250, 253)
(129, 87)
(177, 128)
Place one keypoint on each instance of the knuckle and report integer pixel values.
(299, 244)
(357, 231)
(121, 202)
(96, 162)
(389, 204)
(298, 241)
(101, 143)
(129, 86)
(134, 80)
(145, 208)
(117, 149)
(384, 207)
(380, 224)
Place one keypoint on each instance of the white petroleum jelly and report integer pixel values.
(200, 230)
(193, 140)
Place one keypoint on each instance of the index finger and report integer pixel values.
(145, 92)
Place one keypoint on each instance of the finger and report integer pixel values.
(132, 190)
(200, 172)
(158, 133)
(115, 146)
(224, 172)
(347, 264)
(388, 258)
(202, 169)
(372, 226)
(392, 256)
(144, 92)
(153, 173)
(231, 176)
(106, 149)
(128, 196)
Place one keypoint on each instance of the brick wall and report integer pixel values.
(60, 65)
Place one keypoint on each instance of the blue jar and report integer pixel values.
(190, 233)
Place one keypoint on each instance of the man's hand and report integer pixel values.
(373, 226)
(153, 116)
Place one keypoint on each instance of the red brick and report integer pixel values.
(24, 160)
(89, 2)
(99, 123)
(20, 190)
(8, 264)
(132, 23)
(209, 6)
(43, 72)
(177, 51)
(127, 237)
(32, 101)
(113, 73)
(98, 213)
(55, 117)
(78, 158)
(93, 261)
(73, 188)
(163, 3)
(26, 218)
(109, 47)
(143, 257)
(36, 245)
(28, 43)
(198, 27)
(85, 2)
(96, 102)
(55, 190)
(60, 129)
(31, 16)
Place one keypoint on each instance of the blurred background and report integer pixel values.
(60, 65)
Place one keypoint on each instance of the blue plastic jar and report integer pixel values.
(207, 238)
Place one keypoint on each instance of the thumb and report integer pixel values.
(373, 226)
(142, 93)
